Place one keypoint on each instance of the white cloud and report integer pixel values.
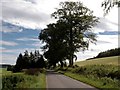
(31, 1)
(27, 39)
(37, 44)
(13, 51)
(20, 50)
(8, 43)
(2, 47)
(23, 13)
(36, 13)
(8, 58)
(106, 25)
(8, 29)
(105, 42)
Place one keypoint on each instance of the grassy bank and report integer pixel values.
(100, 83)
(104, 77)
(23, 80)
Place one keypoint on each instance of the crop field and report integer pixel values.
(101, 61)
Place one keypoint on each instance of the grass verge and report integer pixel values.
(33, 81)
(103, 77)
(96, 82)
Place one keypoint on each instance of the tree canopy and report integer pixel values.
(71, 33)
(56, 46)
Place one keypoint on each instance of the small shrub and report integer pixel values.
(61, 72)
(42, 70)
(114, 74)
(10, 68)
(33, 71)
(76, 65)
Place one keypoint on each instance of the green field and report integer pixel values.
(22, 80)
(103, 61)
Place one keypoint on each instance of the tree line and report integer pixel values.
(108, 53)
(28, 60)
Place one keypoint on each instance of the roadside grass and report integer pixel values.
(33, 81)
(3, 71)
(106, 61)
(43, 80)
(22, 80)
(100, 83)
(103, 77)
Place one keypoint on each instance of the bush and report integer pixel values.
(34, 71)
(10, 68)
(15, 70)
(9, 82)
(115, 74)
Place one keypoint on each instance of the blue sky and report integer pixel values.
(22, 21)
(17, 40)
(23, 38)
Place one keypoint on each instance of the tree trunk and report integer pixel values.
(54, 65)
(71, 47)
(71, 60)
(61, 62)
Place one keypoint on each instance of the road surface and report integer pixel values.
(55, 81)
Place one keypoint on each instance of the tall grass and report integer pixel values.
(110, 71)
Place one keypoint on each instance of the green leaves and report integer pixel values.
(69, 34)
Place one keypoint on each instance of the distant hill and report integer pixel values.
(106, 60)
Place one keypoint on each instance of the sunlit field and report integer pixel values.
(107, 60)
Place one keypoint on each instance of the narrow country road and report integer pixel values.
(57, 81)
